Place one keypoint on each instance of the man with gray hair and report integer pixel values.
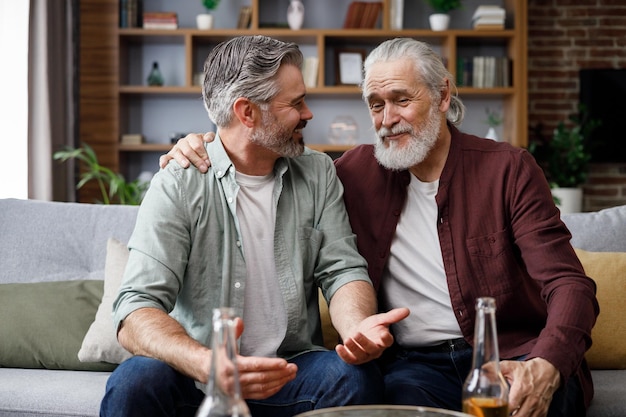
(443, 217)
(261, 232)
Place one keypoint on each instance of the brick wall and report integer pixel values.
(565, 36)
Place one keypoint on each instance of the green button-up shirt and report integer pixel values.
(186, 252)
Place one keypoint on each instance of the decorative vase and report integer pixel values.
(204, 21)
(491, 133)
(570, 200)
(155, 78)
(295, 14)
(439, 21)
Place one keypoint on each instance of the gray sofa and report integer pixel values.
(60, 242)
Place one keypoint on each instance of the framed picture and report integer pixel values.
(349, 69)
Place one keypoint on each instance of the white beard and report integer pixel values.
(398, 158)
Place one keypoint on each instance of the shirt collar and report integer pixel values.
(221, 163)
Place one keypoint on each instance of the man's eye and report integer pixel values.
(376, 106)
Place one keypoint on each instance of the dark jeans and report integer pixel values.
(435, 379)
(147, 387)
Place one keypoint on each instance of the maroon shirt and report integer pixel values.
(500, 235)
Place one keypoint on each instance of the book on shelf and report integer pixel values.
(245, 17)
(130, 13)
(362, 15)
(486, 72)
(489, 17)
(309, 71)
(132, 139)
(160, 20)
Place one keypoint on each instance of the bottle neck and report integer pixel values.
(486, 337)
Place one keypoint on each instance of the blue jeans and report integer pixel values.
(435, 379)
(143, 386)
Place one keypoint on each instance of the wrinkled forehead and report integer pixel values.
(390, 76)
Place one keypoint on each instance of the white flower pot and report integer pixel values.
(491, 134)
(570, 199)
(439, 21)
(204, 21)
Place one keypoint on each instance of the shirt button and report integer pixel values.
(230, 200)
(237, 285)
(219, 173)
(238, 243)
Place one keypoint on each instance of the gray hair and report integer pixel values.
(429, 69)
(244, 66)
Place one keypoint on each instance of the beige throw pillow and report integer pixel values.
(608, 270)
(100, 343)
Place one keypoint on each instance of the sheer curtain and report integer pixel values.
(52, 82)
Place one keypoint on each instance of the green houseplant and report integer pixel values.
(113, 186)
(568, 152)
(210, 5)
(444, 6)
(565, 158)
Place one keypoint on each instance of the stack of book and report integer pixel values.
(132, 139)
(362, 15)
(160, 20)
(489, 17)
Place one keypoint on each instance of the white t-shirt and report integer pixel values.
(265, 322)
(415, 276)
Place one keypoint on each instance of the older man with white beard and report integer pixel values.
(442, 218)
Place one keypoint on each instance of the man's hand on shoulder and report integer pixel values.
(190, 151)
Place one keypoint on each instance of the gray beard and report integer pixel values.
(414, 151)
(276, 138)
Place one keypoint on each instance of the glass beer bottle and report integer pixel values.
(223, 394)
(486, 392)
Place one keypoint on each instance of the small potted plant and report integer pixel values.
(494, 119)
(205, 20)
(440, 19)
(565, 159)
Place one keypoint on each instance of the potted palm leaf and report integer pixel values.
(113, 187)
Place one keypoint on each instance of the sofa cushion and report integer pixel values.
(43, 324)
(600, 231)
(52, 393)
(608, 270)
(100, 343)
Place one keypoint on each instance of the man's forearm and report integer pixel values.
(153, 333)
(351, 304)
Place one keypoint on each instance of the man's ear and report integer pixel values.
(245, 111)
(446, 95)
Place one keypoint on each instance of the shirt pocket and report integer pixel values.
(309, 242)
(493, 262)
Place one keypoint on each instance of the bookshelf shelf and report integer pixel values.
(135, 107)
